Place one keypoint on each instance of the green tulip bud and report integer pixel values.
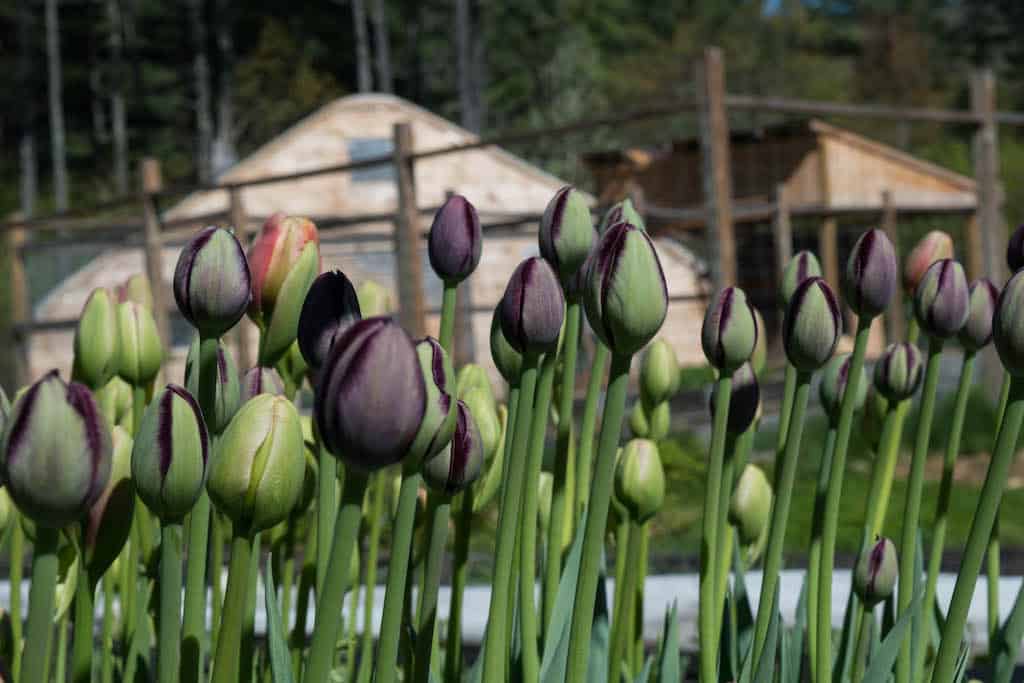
(729, 333)
(96, 341)
(170, 454)
(459, 464)
(225, 387)
(1008, 325)
(115, 402)
(566, 234)
(470, 377)
(109, 522)
(508, 361)
(640, 480)
(833, 386)
(140, 351)
(638, 423)
(874, 578)
(802, 266)
(812, 325)
(136, 288)
(212, 282)
(977, 332)
(659, 421)
(751, 504)
(374, 299)
(621, 212)
(870, 279)
(485, 416)
(659, 373)
(259, 471)
(873, 418)
(281, 320)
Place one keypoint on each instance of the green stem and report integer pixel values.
(326, 511)
(596, 518)
(378, 490)
(780, 513)
(216, 570)
(981, 527)
(814, 553)
(229, 639)
(830, 526)
(328, 604)
(496, 638)
(247, 653)
(585, 454)
(40, 606)
(17, 562)
(992, 552)
(709, 615)
(193, 632)
(168, 658)
(287, 571)
(723, 548)
(83, 642)
(61, 659)
(447, 332)
(460, 557)
(439, 512)
(860, 651)
(353, 613)
(621, 557)
(883, 469)
(638, 601)
(107, 651)
(785, 411)
(307, 580)
(622, 621)
(912, 507)
(386, 667)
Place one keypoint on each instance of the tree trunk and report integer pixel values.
(201, 74)
(224, 153)
(469, 58)
(363, 75)
(57, 139)
(29, 180)
(118, 125)
(383, 45)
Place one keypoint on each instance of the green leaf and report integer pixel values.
(597, 665)
(669, 664)
(881, 664)
(1007, 642)
(645, 673)
(847, 638)
(277, 641)
(793, 641)
(766, 666)
(917, 622)
(960, 670)
(556, 639)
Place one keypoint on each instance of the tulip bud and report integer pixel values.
(1008, 326)
(981, 307)
(802, 266)
(56, 453)
(439, 420)
(472, 376)
(566, 234)
(371, 397)
(374, 299)
(136, 288)
(874, 578)
(873, 418)
(273, 256)
(941, 300)
(225, 389)
(729, 332)
(640, 479)
(659, 373)
(659, 421)
(259, 472)
(485, 416)
(331, 306)
(870, 279)
(508, 361)
(1015, 250)
(260, 380)
(96, 341)
(638, 423)
(280, 323)
(759, 357)
(898, 372)
(140, 352)
(935, 246)
(459, 464)
(812, 325)
(109, 520)
(751, 504)
(621, 212)
(532, 308)
(307, 493)
(212, 285)
(833, 386)
(170, 454)
(744, 399)
(115, 402)
(455, 241)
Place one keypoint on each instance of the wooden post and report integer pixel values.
(986, 175)
(782, 232)
(14, 312)
(408, 251)
(714, 139)
(828, 237)
(151, 182)
(974, 248)
(240, 222)
(895, 318)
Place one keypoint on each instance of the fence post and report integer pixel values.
(714, 145)
(240, 222)
(782, 232)
(14, 315)
(895, 317)
(150, 183)
(408, 258)
(986, 174)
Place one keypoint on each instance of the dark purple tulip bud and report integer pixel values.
(1015, 250)
(226, 392)
(874, 578)
(459, 464)
(871, 273)
(533, 307)
(331, 306)
(170, 454)
(566, 234)
(455, 240)
(981, 308)
(898, 372)
(941, 300)
(1008, 325)
(110, 518)
(743, 400)
(56, 456)
(935, 246)
(729, 333)
(212, 285)
(371, 397)
(625, 296)
(439, 419)
(833, 386)
(260, 380)
(812, 325)
(802, 266)
(508, 361)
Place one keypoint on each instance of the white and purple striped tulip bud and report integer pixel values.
(136, 288)
(751, 504)
(802, 266)
(330, 308)
(440, 416)
(941, 299)
(977, 331)
(1008, 325)
(812, 325)
(744, 399)
(935, 246)
(729, 333)
(455, 241)
(225, 388)
(260, 468)
(566, 234)
(459, 464)
(621, 212)
(374, 299)
(140, 351)
(659, 373)
(532, 308)
(212, 284)
(1015, 250)
(899, 371)
(871, 273)
(260, 380)
(96, 342)
(56, 452)
(640, 480)
(109, 521)
(874, 577)
(371, 397)
(278, 251)
(625, 295)
(170, 454)
(508, 360)
(834, 380)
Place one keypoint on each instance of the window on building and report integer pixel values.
(368, 148)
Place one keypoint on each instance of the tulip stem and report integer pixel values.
(447, 332)
(496, 638)
(107, 648)
(912, 507)
(638, 600)
(326, 511)
(814, 553)
(596, 518)
(837, 471)
(138, 406)
(585, 454)
(229, 639)
(621, 545)
(193, 632)
(378, 490)
(40, 606)
(860, 651)
(216, 571)
(785, 411)
(249, 615)
(168, 656)
(17, 561)
(992, 551)
(307, 579)
(328, 603)
(438, 512)
(460, 556)
(981, 527)
(884, 468)
(723, 545)
(785, 479)
(386, 667)
(623, 618)
(83, 644)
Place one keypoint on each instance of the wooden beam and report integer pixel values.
(782, 232)
(986, 175)
(150, 183)
(407, 236)
(895, 317)
(828, 236)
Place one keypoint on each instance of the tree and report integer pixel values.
(383, 46)
(224, 153)
(201, 85)
(29, 175)
(364, 78)
(118, 76)
(57, 138)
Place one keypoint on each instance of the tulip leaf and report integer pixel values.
(645, 673)
(766, 666)
(880, 666)
(1007, 643)
(556, 639)
(597, 665)
(847, 638)
(917, 621)
(281, 328)
(960, 669)
(670, 665)
(277, 642)
(793, 641)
